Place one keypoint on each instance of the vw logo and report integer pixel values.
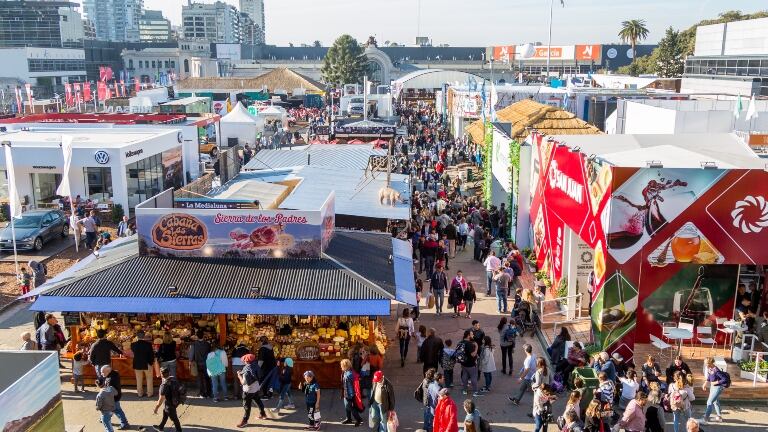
(102, 157)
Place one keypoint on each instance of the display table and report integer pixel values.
(124, 366)
(328, 374)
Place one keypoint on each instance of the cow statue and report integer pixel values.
(390, 195)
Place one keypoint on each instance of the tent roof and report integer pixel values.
(546, 119)
(239, 114)
(279, 78)
(726, 150)
(272, 110)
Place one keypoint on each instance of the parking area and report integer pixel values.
(51, 248)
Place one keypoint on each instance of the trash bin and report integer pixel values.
(589, 376)
(470, 175)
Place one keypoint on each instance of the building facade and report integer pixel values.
(729, 58)
(51, 24)
(154, 27)
(252, 33)
(115, 20)
(255, 11)
(216, 23)
(44, 68)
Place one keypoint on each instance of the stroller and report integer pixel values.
(525, 318)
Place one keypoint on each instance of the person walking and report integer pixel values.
(105, 404)
(249, 379)
(717, 381)
(349, 393)
(466, 355)
(596, 418)
(654, 413)
(680, 398)
(169, 397)
(311, 390)
(487, 363)
(91, 226)
(456, 295)
(501, 279)
(426, 401)
(492, 264)
(507, 338)
(112, 378)
(405, 332)
(143, 361)
(123, 228)
(216, 365)
(448, 362)
(78, 363)
(100, 354)
(526, 374)
(431, 350)
(46, 334)
(285, 367)
(446, 414)
(198, 353)
(438, 284)
(267, 366)
(382, 402)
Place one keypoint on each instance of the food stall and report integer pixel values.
(316, 343)
(237, 274)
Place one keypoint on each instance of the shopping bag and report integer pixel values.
(317, 417)
(393, 422)
(431, 302)
(156, 367)
(462, 307)
(192, 369)
(372, 418)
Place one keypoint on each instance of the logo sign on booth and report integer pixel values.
(235, 233)
(504, 53)
(101, 157)
(589, 52)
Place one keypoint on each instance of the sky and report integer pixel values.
(472, 23)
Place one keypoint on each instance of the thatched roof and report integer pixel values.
(546, 119)
(280, 78)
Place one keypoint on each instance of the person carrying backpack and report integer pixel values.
(507, 337)
(719, 381)
(171, 395)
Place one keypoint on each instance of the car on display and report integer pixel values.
(355, 107)
(209, 147)
(33, 229)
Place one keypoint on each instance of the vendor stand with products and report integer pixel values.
(317, 292)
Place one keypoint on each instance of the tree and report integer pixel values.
(345, 62)
(633, 31)
(317, 44)
(670, 60)
(641, 66)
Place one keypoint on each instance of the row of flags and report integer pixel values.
(751, 110)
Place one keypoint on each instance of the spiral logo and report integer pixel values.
(750, 215)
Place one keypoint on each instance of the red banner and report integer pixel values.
(122, 88)
(136, 85)
(87, 92)
(68, 99)
(101, 90)
(76, 90)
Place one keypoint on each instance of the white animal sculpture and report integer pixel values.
(390, 195)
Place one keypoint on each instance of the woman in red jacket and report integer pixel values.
(446, 419)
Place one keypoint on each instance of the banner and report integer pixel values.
(19, 103)
(66, 148)
(589, 53)
(87, 92)
(76, 91)
(504, 54)
(136, 85)
(68, 98)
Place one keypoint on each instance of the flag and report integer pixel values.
(87, 92)
(136, 85)
(752, 110)
(30, 98)
(122, 88)
(66, 148)
(68, 94)
(101, 90)
(13, 193)
(19, 105)
(737, 108)
(76, 91)
(494, 101)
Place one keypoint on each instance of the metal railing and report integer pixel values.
(559, 312)
(758, 355)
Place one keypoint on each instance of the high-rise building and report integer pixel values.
(213, 22)
(89, 29)
(154, 27)
(115, 20)
(255, 10)
(49, 24)
(252, 33)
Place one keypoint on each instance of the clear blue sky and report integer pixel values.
(472, 22)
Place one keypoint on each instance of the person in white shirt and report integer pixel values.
(405, 332)
(463, 230)
(491, 264)
(629, 386)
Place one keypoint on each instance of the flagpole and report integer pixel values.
(549, 43)
(13, 200)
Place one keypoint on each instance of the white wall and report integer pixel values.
(644, 119)
(709, 40)
(746, 37)
(718, 86)
(688, 116)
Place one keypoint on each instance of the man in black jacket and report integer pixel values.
(431, 350)
(143, 360)
(112, 378)
(438, 283)
(267, 364)
(101, 352)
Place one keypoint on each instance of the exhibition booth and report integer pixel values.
(666, 231)
(237, 273)
(239, 127)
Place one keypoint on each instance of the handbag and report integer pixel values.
(393, 422)
(156, 367)
(462, 307)
(431, 302)
(192, 369)
(316, 416)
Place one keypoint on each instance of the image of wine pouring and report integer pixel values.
(693, 303)
(617, 318)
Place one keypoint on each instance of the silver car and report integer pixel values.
(34, 229)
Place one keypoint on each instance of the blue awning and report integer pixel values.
(402, 261)
(212, 306)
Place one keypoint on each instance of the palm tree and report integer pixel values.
(633, 31)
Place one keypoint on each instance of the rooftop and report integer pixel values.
(279, 78)
(83, 137)
(326, 155)
(725, 150)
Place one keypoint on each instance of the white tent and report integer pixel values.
(239, 124)
(274, 113)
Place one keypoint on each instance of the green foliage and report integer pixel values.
(562, 290)
(670, 60)
(487, 156)
(117, 213)
(749, 366)
(592, 349)
(345, 62)
(526, 252)
(633, 31)
(641, 65)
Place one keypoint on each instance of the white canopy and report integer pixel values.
(239, 124)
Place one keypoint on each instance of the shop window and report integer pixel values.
(186, 66)
(44, 187)
(153, 64)
(99, 183)
(130, 63)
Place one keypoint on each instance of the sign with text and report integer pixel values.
(234, 233)
(589, 52)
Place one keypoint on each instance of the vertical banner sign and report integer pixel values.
(76, 89)
(28, 87)
(19, 104)
(87, 91)
(68, 94)
(136, 85)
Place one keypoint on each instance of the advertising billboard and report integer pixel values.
(504, 53)
(235, 233)
(589, 53)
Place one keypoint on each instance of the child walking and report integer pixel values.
(77, 370)
(25, 280)
(286, 369)
(312, 397)
(487, 363)
(105, 403)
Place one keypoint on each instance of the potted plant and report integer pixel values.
(747, 370)
(562, 291)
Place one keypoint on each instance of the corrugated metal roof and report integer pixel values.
(367, 254)
(291, 279)
(342, 156)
